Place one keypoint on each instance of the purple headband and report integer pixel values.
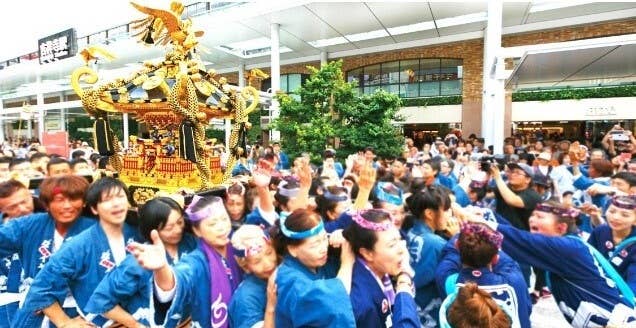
(563, 212)
(625, 202)
(375, 226)
(213, 208)
(493, 237)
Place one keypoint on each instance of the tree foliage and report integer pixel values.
(329, 108)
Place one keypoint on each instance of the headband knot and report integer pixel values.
(493, 237)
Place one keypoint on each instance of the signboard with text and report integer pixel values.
(56, 142)
(57, 46)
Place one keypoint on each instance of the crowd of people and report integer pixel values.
(444, 234)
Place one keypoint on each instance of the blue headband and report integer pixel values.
(301, 234)
(387, 197)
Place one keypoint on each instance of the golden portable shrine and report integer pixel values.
(176, 98)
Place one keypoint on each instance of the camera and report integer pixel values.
(485, 162)
(619, 135)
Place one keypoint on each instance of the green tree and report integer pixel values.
(329, 109)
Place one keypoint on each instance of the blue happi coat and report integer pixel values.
(26, 244)
(247, 308)
(425, 248)
(370, 306)
(625, 261)
(504, 282)
(584, 293)
(310, 299)
(131, 286)
(77, 268)
(192, 297)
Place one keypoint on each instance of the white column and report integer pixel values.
(1, 122)
(324, 58)
(275, 77)
(62, 114)
(39, 96)
(493, 97)
(124, 142)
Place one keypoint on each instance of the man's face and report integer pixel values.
(596, 155)
(17, 204)
(59, 169)
(518, 178)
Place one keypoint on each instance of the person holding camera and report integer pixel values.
(515, 199)
(618, 140)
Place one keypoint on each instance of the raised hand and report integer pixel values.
(304, 173)
(261, 178)
(367, 176)
(151, 256)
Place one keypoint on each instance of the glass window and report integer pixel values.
(449, 70)
(429, 89)
(408, 71)
(428, 77)
(391, 72)
(392, 88)
(283, 83)
(452, 87)
(372, 75)
(355, 75)
(429, 70)
(293, 82)
(410, 90)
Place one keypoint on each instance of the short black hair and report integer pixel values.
(56, 161)
(76, 161)
(17, 161)
(104, 185)
(37, 156)
(154, 215)
(628, 177)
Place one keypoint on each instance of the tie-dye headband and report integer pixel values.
(563, 212)
(493, 237)
(375, 226)
(254, 247)
(215, 207)
(625, 202)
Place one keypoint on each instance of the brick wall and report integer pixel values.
(571, 33)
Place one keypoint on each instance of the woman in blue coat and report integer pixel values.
(203, 282)
(82, 263)
(125, 294)
(584, 292)
(309, 293)
(256, 256)
(474, 256)
(431, 207)
(619, 232)
(380, 254)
